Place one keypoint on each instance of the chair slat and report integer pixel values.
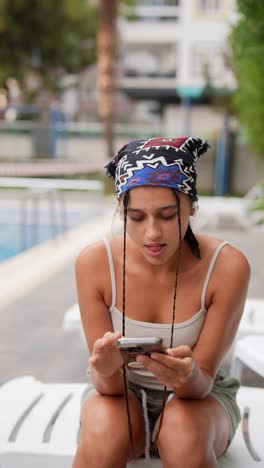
(61, 438)
(16, 396)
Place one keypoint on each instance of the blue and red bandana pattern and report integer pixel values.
(164, 162)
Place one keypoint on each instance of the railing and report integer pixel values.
(86, 129)
(51, 192)
(152, 10)
(147, 82)
(159, 3)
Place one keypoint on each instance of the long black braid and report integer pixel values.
(193, 242)
(164, 399)
(125, 204)
(177, 266)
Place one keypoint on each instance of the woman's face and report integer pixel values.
(152, 221)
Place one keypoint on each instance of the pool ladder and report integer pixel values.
(57, 213)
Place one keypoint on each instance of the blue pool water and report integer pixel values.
(16, 237)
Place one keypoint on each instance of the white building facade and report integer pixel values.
(172, 49)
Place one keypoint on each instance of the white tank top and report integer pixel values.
(186, 332)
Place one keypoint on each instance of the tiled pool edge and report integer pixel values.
(24, 272)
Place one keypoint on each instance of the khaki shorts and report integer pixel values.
(224, 390)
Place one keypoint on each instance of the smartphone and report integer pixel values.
(130, 348)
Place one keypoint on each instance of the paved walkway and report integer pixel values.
(31, 338)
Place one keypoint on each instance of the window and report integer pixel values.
(206, 61)
(151, 61)
(159, 2)
(153, 10)
(210, 5)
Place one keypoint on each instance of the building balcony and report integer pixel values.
(161, 88)
(153, 10)
(147, 32)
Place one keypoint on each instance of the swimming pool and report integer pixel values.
(17, 236)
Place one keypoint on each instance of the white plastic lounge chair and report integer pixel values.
(72, 322)
(40, 426)
(252, 322)
(223, 212)
(72, 319)
(248, 351)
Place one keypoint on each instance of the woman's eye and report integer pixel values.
(167, 218)
(136, 219)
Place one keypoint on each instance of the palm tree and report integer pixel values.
(106, 55)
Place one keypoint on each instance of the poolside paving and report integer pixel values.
(32, 341)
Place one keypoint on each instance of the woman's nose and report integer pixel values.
(153, 230)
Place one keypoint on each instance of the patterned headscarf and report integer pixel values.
(162, 162)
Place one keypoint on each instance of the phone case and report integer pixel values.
(132, 347)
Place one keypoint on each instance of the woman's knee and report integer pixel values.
(99, 418)
(181, 441)
(104, 426)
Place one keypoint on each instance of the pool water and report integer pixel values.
(16, 237)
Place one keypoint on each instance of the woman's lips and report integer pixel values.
(155, 250)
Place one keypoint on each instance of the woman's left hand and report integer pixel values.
(172, 369)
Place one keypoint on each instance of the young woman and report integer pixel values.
(159, 279)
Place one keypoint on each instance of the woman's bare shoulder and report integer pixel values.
(95, 255)
(231, 258)
(92, 256)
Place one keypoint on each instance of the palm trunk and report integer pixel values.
(106, 53)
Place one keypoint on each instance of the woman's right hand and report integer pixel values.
(106, 358)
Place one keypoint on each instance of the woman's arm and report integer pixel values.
(105, 360)
(191, 372)
(229, 285)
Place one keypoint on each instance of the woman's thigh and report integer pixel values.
(105, 418)
(195, 424)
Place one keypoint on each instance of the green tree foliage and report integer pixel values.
(50, 37)
(247, 40)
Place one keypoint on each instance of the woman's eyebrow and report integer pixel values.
(133, 209)
(161, 208)
(167, 206)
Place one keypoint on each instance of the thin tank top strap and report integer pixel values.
(112, 270)
(209, 272)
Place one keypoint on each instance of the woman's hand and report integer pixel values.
(106, 358)
(172, 369)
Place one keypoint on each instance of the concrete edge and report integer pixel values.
(27, 270)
